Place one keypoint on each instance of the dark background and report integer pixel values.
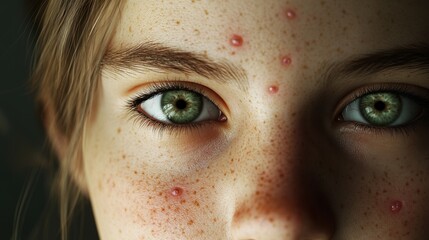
(21, 135)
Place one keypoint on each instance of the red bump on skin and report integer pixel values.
(273, 89)
(236, 40)
(286, 61)
(395, 206)
(290, 14)
(176, 191)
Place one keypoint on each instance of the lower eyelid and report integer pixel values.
(358, 128)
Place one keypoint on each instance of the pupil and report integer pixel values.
(181, 104)
(379, 106)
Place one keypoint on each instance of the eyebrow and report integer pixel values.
(409, 57)
(159, 58)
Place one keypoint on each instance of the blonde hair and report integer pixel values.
(74, 36)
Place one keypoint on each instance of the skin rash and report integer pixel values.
(280, 165)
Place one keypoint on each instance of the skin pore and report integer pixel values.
(281, 160)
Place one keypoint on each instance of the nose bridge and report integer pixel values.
(280, 202)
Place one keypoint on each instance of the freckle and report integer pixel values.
(395, 206)
(176, 191)
(100, 186)
(190, 222)
(290, 14)
(236, 40)
(119, 130)
(273, 89)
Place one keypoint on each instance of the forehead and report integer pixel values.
(194, 22)
(310, 34)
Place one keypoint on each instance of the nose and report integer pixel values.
(282, 197)
(282, 220)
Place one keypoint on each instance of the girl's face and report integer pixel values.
(260, 119)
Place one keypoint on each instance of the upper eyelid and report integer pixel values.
(158, 87)
(156, 92)
(398, 88)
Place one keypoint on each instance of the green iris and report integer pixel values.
(181, 106)
(380, 109)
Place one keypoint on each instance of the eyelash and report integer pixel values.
(397, 88)
(155, 89)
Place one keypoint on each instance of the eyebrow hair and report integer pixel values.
(157, 57)
(411, 57)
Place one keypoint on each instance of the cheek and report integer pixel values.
(173, 208)
(154, 191)
(385, 192)
(400, 206)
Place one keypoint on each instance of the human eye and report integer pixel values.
(175, 105)
(386, 106)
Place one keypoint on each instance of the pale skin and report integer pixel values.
(279, 163)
